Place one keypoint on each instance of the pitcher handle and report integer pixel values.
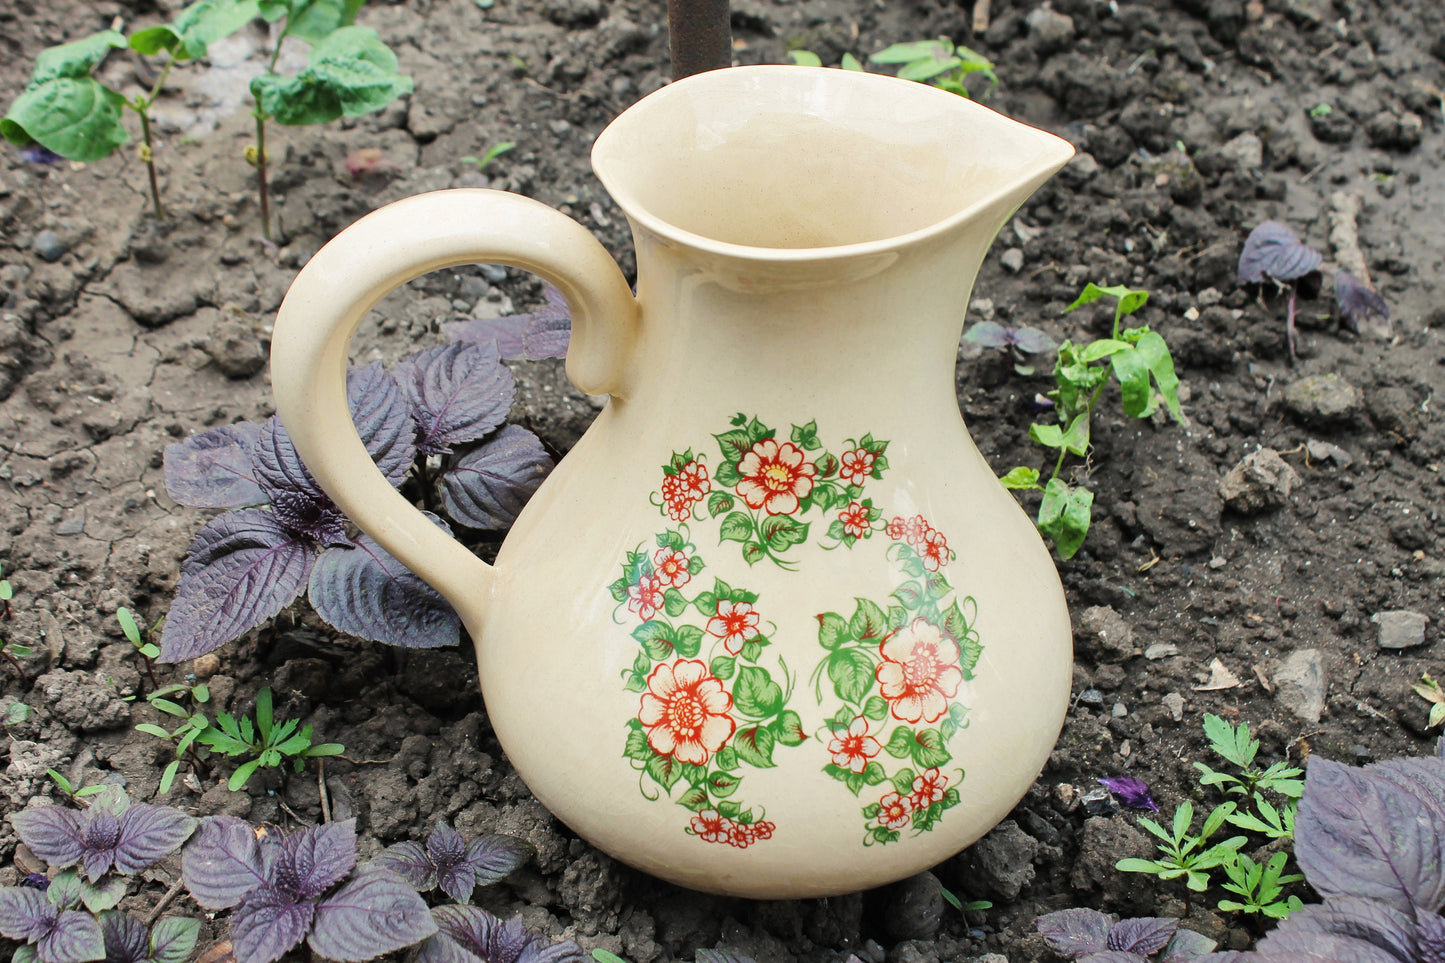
(361, 265)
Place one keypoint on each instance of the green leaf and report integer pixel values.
(1233, 743)
(77, 118)
(688, 641)
(876, 708)
(900, 744)
(851, 672)
(1021, 479)
(723, 666)
(754, 746)
(695, 798)
(195, 28)
(719, 502)
(168, 775)
(903, 781)
(780, 532)
(1133, 374)
(869, 623)
(153, 730)
(99, 897)
(804, 58)
(928, 749)
(737, 527)
(173, 939)
(726, 758)
(832, 630)
(65, 890)
(1051, 436)
(170, 708)
(850, 62)
(1103, 348)
(1155, 352)
(264, 717)
(788, 729)
(1129, 300)
(721, 784)
(1076, 436)
(1064, 516)
(665, 770)
(127, 625)
(349, 73)
(319, 18)
(239, 777)
(756, 694)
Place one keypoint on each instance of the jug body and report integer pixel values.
(772, 628)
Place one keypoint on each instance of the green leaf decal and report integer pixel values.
(928, 749)
(665, 770)
(756, 694)
(903, 781)
(873, 774)
(780, 532)
(721, 784)
(688, 641)
(957, 719)
(695, 798)
(673, 603)
(719, 502)
(868, 621)
(737, 527)
(806, 436)
(754, 746)
(900, 744)
(637, 747)
(851, 672)
(876, 708)
(723, 666)
(832, 630)
(726, 758)
(788, 729)
(657, 639)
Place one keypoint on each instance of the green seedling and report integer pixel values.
(266, 742)
(939, 63)
(1234, 745)
(493, 152)
(1274, 822)
(951, 898)
(65, 786)
(16, 713)
(1429, 690)
(1184, 854)
(193, 723)
(146, 650)
(12, 651)
(603, 956)
(1139, 360)
(1260, 887)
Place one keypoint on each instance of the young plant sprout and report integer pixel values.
(1019, 342)
(266, 742)
(492, 153)
(12, 651)
(938, 63)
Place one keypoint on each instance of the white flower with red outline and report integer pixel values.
(894, 810)
(685, 711)
(671, 567)
(857, 466)
(920, 672)
(928, 788)
(644, 597)
(933, 550)
(897, 528)
(853, 747)
(915, 529)
(711, 827)
(775, 475)
(855, 520)
(695, 480)
(735, 623)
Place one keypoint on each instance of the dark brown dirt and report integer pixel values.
(1195, 122)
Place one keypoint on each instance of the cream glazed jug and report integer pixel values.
(772, 628)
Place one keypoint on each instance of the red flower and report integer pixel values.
(775, 477)
(685, 711)
(915, 529)
(671, 567)
(740, 835)
(919, 672)
(893, 810)
(645, 597)
(933, 550)
(695, 480)
(855, 520)
(763, 829)
(857, 466)
(928, 788)
(677, 497)
(710, 827)
(734, 623)
(897, 527)
(853, 747)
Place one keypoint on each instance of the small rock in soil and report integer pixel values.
(914, 951)
(49, 246)
(234, 344)
(1261, 482)
(1400, 629)
(1174, 703)
(1104, 842)
(1001, 863)
(1300, 684)
(1049, 30)
(81, 701)
(1323, 399)
(1324, 451)
(915, 908)
(1161, 650)
(1331, 126)
(1102, 635)
(1393, 132)
(1245, 152)
(1012, 260)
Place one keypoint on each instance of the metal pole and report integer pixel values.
(701, 36)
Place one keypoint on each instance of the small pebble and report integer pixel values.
(1012, 260)
(1091, 697)
(1161, 650)
(71, 526)
(494, 273)
(1119, 711)
(48, 246)
(1174, 702)
(1400, 629)
(206, 666)
(1099, 802)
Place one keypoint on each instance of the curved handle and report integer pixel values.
(364, 263)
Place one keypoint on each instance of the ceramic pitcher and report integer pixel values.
(772, 628)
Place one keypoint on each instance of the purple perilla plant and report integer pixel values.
(451, 864)
(113, 833)
(469, 934)
(303, 886)
(436, 421)
(1089, 936)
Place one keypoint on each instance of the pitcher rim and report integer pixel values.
(1054, 152)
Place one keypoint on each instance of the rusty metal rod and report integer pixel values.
(700, 35)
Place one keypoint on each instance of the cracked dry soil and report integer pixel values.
(1291, 599)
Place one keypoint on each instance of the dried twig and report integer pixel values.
(321, 786)
(164, 901)
(980, 16)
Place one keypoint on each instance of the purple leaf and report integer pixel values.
(148, 834)
(51, 832)
(267, 923)
(1358, 834)
(125, 937)
(1186, 945)
(1032, 341)
(1273, 252)
(99, 835)
(1358, 301)
(1145, 935)
(298, 501)
(496, 856)
(213, 469)
(458, 392)
(441, 948)
(243, 568)
(488, 487)
(1430, 937)
(25, 914)
(1077, 932)
(989, 334)
(222, 863)
(364, 591)
(173, 939)
(1357, 930)
(483, 935)
(1114, 956)
(549, 329)
(76, 938)
(1130, 792)
(311, 861)
(409, 861)
(376, 912)
(1422, 777)
(506, 334)
(382, 419)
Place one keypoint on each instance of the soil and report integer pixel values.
(1268, 601)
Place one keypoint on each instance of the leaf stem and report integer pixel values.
(11, 659)
(260, 164)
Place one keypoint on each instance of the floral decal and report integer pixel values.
(713, 700)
